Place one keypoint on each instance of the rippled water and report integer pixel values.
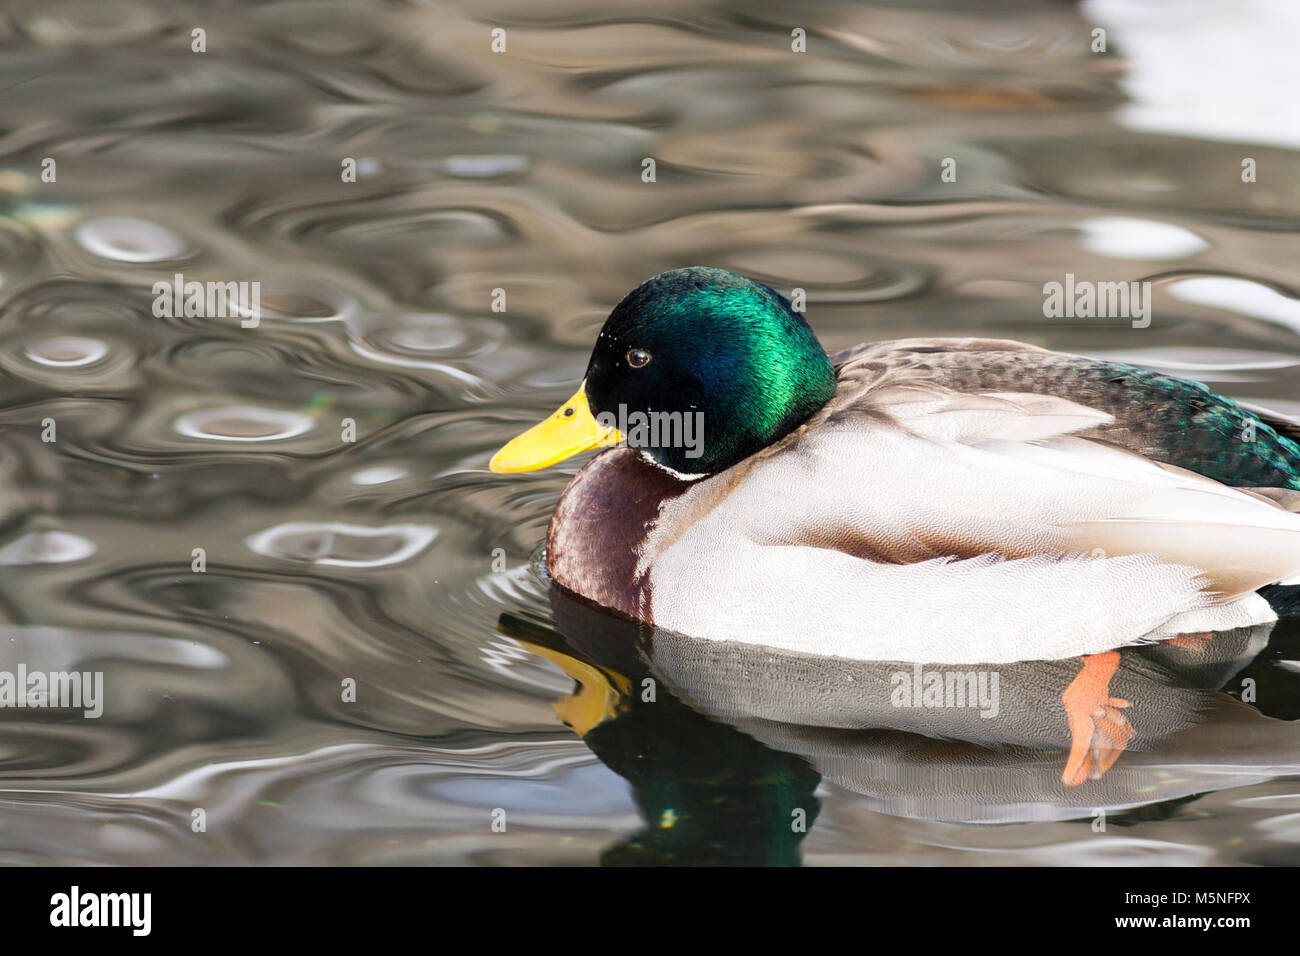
(331, 462)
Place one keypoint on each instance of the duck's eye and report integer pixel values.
(568, 412)
(638, 358)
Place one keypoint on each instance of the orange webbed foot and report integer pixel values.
(1191, 642)
(1098, 731)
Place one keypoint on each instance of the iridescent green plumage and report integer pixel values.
(722, 346)
(1189, 425)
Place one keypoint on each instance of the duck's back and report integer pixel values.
(1163, 417)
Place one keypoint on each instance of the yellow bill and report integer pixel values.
(601, 695)
(570, 431)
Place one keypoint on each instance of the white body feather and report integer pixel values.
(1073, 546)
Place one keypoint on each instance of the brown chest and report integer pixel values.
(600, 524)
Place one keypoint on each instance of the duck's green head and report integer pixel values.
(699, 368)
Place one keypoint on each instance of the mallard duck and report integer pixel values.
(941, 501)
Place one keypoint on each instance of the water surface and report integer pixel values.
(397, 562)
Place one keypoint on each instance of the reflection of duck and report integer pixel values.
(735, 724)
(861, 504)
(709, 793)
